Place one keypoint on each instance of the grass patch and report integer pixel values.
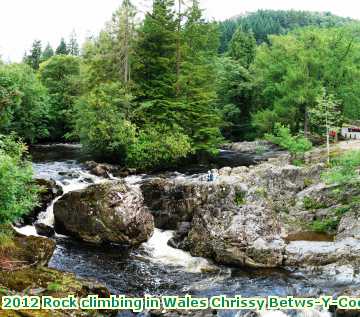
(6, 240)
(311, 204)
(240, 198)
(261, 192)
(55, 287)
(308, 182)
(343, 169)
(326, 225)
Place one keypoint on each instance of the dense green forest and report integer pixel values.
(150, 93)
(263, 23)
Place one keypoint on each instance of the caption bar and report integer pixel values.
(187, 302)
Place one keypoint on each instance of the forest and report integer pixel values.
(149, 92)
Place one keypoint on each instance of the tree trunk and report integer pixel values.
(178, 52)
(306, 122)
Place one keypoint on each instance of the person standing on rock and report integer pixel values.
(210, 176)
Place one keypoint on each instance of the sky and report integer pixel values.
(23, 21)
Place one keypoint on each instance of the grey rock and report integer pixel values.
(107, 212)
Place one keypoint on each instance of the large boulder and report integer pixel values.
(102, 213)
(237, 219)
(173, 201)
(223, 226)
(349, 226)
(25, 251)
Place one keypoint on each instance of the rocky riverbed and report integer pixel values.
(249, 232)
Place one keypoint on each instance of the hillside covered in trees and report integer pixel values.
(263, 23)
(152, 92)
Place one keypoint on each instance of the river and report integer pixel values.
(155, 268)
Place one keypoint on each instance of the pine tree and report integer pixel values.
(73, 46)
(156, 52)
(122, 34)
(242, 47)
(197, 80)
(62, 48)
(200, 45)
(34, 58)
(47, 53)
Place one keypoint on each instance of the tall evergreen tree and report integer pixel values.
(62, 49)
(34, 59)
(122, 34)
(156, 52)
(73, 46)
(242, 47)
(197, 79)
(47, 53)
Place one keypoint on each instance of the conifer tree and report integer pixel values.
(122, 34)
(242, 47)
(156, 52)
(47, 53)
(62, 49)
(73, 46)
(34, 59)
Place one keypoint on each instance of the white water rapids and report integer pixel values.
(71, 176)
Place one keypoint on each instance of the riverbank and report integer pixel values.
(247, 233)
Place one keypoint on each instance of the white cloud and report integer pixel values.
(22, 21)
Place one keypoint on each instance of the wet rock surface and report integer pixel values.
(244, 217)
(103, 213)
(23, 272)
(49, 190)
(106, 170)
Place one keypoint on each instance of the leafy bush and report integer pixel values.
(343, 169)
(326, 226)
(158, 146)
(101, 123)
(24, 103)
(294, 144)
(18, 194)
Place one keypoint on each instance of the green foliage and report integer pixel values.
(235, 89)
(294, 144)
(73, 46)
(62, 49)
(101, 122)
(293, 70)
(327, 225)
(60, 75)
(240, 198)
(242, 48)
(24, 103)
(47, 53)
(310, 204)
(6, 238)
(34, 59)
(55, 286)
(157, 146)
(110, 55)
(18, 194)
(343, 169)
(325, 115)
(276, 22)
(155, 52)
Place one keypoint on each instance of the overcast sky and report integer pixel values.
(22, 21)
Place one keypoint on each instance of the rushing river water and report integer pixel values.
(155, 268)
